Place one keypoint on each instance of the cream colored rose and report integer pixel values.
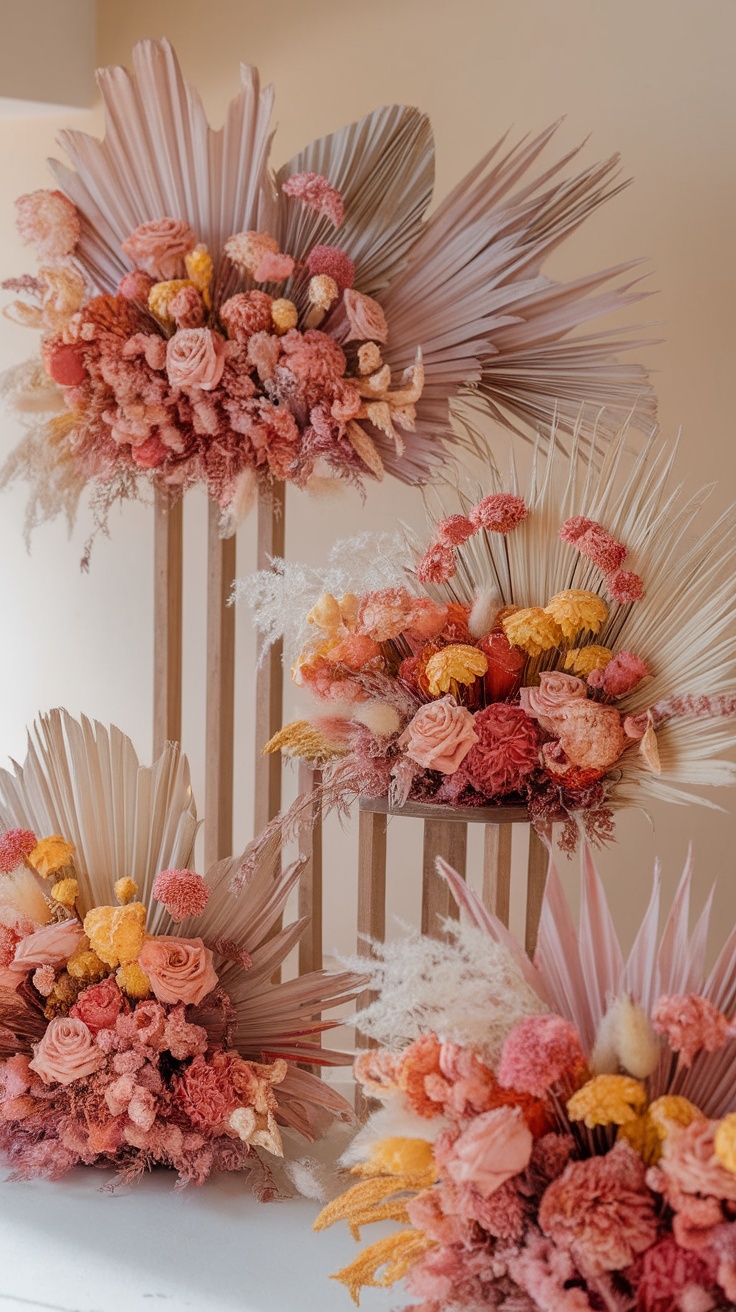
(440, 735)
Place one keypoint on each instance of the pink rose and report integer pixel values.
(365, 316)
(440, 735)
(180, 969)
(555, 690)
(195, 357)
(67, 1052)
(496, 1146)
(99, 1005)
(159, 248)
(52, 945)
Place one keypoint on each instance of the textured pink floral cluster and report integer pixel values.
(599, 546)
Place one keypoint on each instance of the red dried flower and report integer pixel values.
(437, 565)
(246, 313)
(500, 513)
(506, 752)
(625, 586)
(9, 941)
(334, 262)
(14, 845)
(601, 548)
(454, 530)
(183, 893)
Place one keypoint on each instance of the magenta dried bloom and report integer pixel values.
(539, 1052)
(15, 844)
(183, 893)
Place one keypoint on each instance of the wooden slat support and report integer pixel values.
(310, 884)
(536, 880)
(497, 870)
(371, 912)
(270, 675)
(218, 787)
(167, 619)
(448, 839)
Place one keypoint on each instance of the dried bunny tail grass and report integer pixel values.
(467, 989)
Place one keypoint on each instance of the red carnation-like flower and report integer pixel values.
(625, 586)
(499, 513)
(506, 752)
(454, 530)
(14, 845)
(183, 893)
(437, 565)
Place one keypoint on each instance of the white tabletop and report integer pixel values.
(65, 1246)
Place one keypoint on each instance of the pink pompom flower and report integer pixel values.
(538, 1053)
(624, 586)
(454, 530)
(334, 262)
(15, 844)
(314, 190)
(183, 893)
(690, 1023)
(48, 221)
(437, 565)
(500, 513)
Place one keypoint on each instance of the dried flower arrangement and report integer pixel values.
(555, 1137)
(139, 1022)
(569, 651)
(205, 322)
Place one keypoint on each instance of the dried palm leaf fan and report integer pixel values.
(139, 1023)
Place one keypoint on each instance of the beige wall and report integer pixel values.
(651, 78)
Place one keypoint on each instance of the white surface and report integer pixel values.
(70, 1248)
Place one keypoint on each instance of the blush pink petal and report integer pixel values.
(440, 735)
(52, 945)
(496, 1146)
(179, 969)
(67, 1052)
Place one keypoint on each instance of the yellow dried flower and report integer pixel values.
(85, 964)
(300, 738)
(117, 934)
(162, 294)
(401, 1156)
(326, 614)
(125, 889)
(532, 629)
(63, 996)
(133, 980)
(323, 291)
(608, 1100)
(583, 660)
(198, 265)
(574, 610)
(66, 892)
(51, 855)
(647, 1133)
(284, 315)
(672, 1109)
(641, 1134)
(459, 663)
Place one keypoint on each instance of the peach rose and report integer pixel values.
(495, 1147)
(67, 1052)
(180, 969)
(195, 357)
(440, 735)
(365, 316)
(52, 945)
(555, 691)
(159, 248)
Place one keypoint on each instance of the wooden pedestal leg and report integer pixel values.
(497, 870)
(371, 910)
(448, 840)
(218, 788)
(167, 612)
(536, 880)
(269, 676)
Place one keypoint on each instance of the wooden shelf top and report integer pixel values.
(483, 815)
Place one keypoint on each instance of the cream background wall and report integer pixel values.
(650, 78)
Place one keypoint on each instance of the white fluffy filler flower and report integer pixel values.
(465, 988)
(625, 1038)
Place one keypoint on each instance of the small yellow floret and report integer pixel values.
(459, 663)
(199, 270)
(401, 1156)
(583, 660)
(86, 965)
(51, 855)
(162, 294)
(642, 1135)
(532, 629)
(284, 315)
(608, 1100)
(672, 1109)
(66, 892)
(117, 934)
(326, 614)
(125, 889)
(300, 738)
(133, 980)
(574, 610)
(323, 291)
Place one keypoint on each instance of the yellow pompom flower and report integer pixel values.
(532, 629)
(199, 269)
(608, 1100)
(401, 1156)
(672, 1109)
(642, 1135)
(85, 964)
(51, 855)
(574, 610)
(162, 294)
(583, 660)
(133, 980)
(459, 663)
(284, 315)
(66, 892)
(116, 934)
(125, 889)
(647, 1133)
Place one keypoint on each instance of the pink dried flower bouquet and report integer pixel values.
(139, 1026)
(203, 322)
(581, 1158)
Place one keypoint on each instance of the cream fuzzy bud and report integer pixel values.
(486, 606)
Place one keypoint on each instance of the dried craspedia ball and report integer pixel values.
(183, 893)
(15, 844)
(133, 980)
(66, 892)
(126, 890)
(284, 315)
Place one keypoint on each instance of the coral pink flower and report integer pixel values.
(689, 1165)
(15, 844)
(624, 586)
(601, 548)
(384, 614)
(601, 1211)
(690, 1023)
(186, 308)
(621, 675)
(99, 1005)
(9, 940)
(365, 316)
(67, 1052)
(440, 735)
(574, 528)
(495, 1146)
(151, 453)
(437, 565)
(247, 249)
(314, 190)
(454, 530)
(195, 357)
(64, 362)
(273, 267)
(144, 1025)
(500, 513)
(245, 314)
(179, 969)
(183, 893)
(51, 945)
(334, 262)
(507, 750)
(48, 221)
(43, 980)
(180, 1037)
(159, 248)
(669, 1273)
(206, 1095)
(426, 618)
(538, 1053)
(555, 691)
(591, 735)
(135, 286)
